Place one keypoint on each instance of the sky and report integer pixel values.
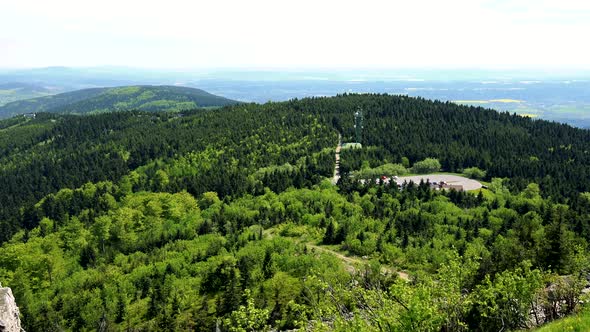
(295, 34)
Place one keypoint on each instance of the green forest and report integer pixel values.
(226, 219)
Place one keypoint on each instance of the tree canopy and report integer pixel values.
(226, 219)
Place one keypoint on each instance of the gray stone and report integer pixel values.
(9, 314)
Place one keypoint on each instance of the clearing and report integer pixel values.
(351, 263)
(468, 184)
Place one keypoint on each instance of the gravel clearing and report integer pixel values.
(468, 184)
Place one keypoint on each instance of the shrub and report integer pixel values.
(474, 173)
(427, 165)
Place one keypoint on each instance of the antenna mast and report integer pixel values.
(358, 125)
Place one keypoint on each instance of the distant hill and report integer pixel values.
(96, 100)
(24, 87)
(13, 91)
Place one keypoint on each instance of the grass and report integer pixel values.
(576, 323)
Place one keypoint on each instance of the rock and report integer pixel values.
(9, 314)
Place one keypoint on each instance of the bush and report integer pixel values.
(427, 165)
(386, 169)
(474, 173)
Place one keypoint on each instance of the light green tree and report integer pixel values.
(427, 165)
(474, 173)
(248, 317)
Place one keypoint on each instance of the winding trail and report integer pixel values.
(336, 176)
(352, 261)
(352, 264)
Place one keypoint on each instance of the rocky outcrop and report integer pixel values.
(9, 315)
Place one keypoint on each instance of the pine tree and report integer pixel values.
(121, 307)
(329, 235)
(267, 265)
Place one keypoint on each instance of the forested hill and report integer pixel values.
(43, 155)
(146, 98)
(224, 218)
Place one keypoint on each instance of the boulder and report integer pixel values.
(9, 314)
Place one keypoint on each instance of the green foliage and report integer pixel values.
(428, 165)
(224, 219)
(474, 173)
(383, 170)
(505, 303)
(247, 318)
(171, 261)
(223, 155)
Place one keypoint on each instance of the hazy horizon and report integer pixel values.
(523, 68)
(300, 73)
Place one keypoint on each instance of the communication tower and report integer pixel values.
(358, 124)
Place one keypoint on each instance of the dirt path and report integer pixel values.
(351, 262)
(336, 176)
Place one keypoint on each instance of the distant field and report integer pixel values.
(15, 92)
(578, 110)
(8, 96)
(8, 92)
(490, 101)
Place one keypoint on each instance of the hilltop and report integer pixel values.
(97, 100)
